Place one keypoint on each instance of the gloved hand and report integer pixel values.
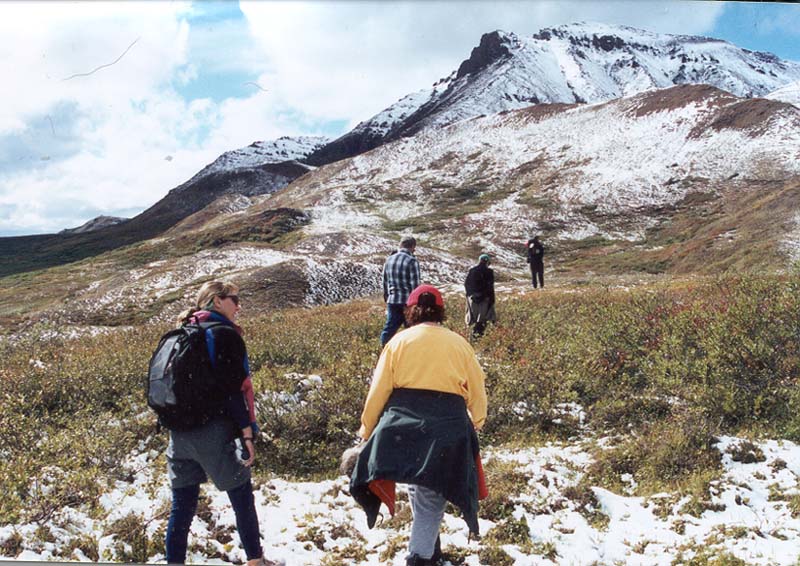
(349, 458)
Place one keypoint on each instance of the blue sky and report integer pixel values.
(80, 137)
(226, 22)
(760, 26)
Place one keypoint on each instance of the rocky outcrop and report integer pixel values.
(493, 47)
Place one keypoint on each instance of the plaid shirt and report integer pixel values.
(400, 277)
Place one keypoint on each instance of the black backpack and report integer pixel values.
(182, 387)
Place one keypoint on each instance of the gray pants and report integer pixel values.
(427, 508)
(208, 450)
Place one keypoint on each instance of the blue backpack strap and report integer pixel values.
(212, 346)
(208, 326)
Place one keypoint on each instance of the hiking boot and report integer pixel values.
(437, 551)
(264, 562)
(417, 560)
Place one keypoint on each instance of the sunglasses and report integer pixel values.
(234, 298)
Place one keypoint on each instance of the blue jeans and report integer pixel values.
(394, 320)
(184, 506)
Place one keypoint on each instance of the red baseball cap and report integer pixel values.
(422, 290)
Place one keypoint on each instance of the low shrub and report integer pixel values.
(394, 546)
(586, 504)
(86, 544)
(745, 452)
(12, 545)
(507, 483)
(662, 457)
(665, 366)
(509, 531)
(494, 556)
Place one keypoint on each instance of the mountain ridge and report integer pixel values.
(667, 181)
(234, 172)
(663, 182)
(575, 63)
(96, 223)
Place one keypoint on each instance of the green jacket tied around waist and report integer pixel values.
(424, 438)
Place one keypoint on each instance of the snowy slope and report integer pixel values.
(621, 158)
(789, 93)
(262, 152)
(577, 63)
(606, 175)
(597, 62)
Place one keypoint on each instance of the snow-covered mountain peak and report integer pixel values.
(789, 93)
(96, 223)
(285, 148)
(492, 47)
(573, 63)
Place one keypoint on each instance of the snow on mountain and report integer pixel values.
(619, 158)
(577, 63)
(606, 175)
(386, 120)
(597, 62)
(789, 93)
(94, 224)
(383, 122)
(262, 152)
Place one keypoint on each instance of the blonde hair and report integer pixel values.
(205, 297)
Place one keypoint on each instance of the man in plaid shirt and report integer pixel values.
(400, 277)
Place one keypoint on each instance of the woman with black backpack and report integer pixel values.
(210, 449)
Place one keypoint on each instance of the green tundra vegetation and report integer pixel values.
(656, 370)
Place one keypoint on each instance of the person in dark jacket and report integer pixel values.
(425, 402)
(536, 261)
(479, 286)
(210, 449)
(400, 277)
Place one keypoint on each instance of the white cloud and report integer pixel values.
(43, 43)
(113, 130)
(349, 60)
(123, 120)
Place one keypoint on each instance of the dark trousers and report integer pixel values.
(537, 270)
(394, 320)
(184, 506)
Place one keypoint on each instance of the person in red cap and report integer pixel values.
(426, 400)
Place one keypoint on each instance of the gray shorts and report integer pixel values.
(208, 451)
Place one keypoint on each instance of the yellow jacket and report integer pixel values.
(426, 356)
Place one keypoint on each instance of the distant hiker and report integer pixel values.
(536, 260)
(479, 286)
(400, 277)
(211, 448)
(425, 402)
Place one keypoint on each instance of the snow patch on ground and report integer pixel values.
(753, 522)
